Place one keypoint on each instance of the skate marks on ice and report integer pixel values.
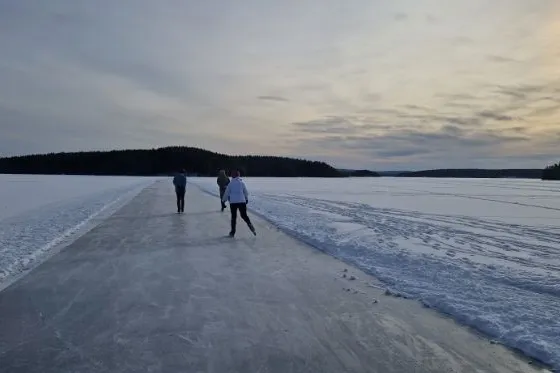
(501, 278)
(481, 241)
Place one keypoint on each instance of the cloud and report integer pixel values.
(545, 111)
(452, 98)
(496, 116)
(462, 40)
(459, 105)
(273, 98)
(521, 91)
(430, 18)
(415, 107)
(452, 130)
(517, 129)
(338, 125)
(501, 59)
(440, 118)
(395, 112)
(87, 75)
(514, 93)
(451, 144)
(400, 153)
(326, 125)
(357, 131)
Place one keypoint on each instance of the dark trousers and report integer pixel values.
(222, 191)
(242, 207)
(180, 192)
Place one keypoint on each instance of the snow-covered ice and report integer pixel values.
(38, 212)
(485, 251)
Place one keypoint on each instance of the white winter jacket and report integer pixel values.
(236, 191)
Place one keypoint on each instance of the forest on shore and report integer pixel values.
(477, 173)
(552, 172)
(549, 173)
(201, 162)
(166, 161)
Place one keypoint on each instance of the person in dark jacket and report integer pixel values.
(180, 183)
(223, 182)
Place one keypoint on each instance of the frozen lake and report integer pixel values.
(485, 251)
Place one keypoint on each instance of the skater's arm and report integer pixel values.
(246, 193)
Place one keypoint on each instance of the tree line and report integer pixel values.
(552, 172)
(164, 161)
(477, 173)
(196, 161)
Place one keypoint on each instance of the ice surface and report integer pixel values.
(485, 251)
(39, 212)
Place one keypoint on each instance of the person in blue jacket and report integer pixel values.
(238, 196)
(180, 183)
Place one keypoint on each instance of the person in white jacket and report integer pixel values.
(238, 196)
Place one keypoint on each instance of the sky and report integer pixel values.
(377, 84)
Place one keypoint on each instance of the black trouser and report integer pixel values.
(242, 207)
(180, 192)
(222, 191)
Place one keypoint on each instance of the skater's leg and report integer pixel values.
(183, 191)
(222, 191)
(244, 216)
(243, 213)
(180, 192)
(233, 207)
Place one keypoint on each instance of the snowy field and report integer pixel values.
(37, 213)
(485, 251)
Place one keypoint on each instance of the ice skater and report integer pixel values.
(238, 196)
(222, 182)
(180, 183)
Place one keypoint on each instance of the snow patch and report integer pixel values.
(29, 235)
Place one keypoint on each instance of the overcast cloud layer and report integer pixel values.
(377, 84)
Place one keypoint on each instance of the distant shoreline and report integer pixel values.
(201, 162)
(477, 173)
(281, 177)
